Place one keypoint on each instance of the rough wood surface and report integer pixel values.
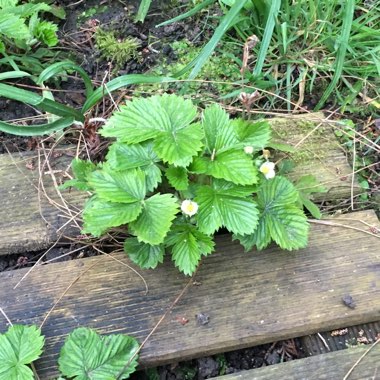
(320, 154)
(250, 298)
(332, 366)
(32, 212)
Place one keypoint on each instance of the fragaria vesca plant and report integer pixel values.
(174, 177)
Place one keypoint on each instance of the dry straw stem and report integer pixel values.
(360, 359)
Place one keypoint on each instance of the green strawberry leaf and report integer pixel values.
(219, 132)
(179, 146)
(81, 169)
(187, 246)
(124, 187)
(177, 177)
(87, 356)
(280, 219)
(156, 218)
(231, 165)
(19, 346)
(255, 134)
(100, 215)
(123, 157)
(218, 208)
(146, 256)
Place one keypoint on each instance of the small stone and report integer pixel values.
(202, 319)
(348, 301)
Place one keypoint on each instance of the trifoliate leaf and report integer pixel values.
(155, 219)
(177, 177)
(280, 219)
(218, 208)
(255, 134)
(87, 356)
(81, 169)
(100, 215)
(277, 192)
(19, 346)
(124, 187)
(144, 255)
(123, 157)
(218, 129)
(231, 165)
(288, 226)
(187, 246)
(178, 147)
(144, 118)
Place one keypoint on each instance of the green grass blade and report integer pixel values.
(143, 10)
(349, 8)
(36, 130)
(122, 81)
(187, 14)
(224, 25)
(268, 32)
(59, 67)
(13, 75)
(39, 102)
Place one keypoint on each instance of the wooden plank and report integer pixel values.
(320, 154)
(29, 217)
(29, 221)
(250, 298)
(332, 366)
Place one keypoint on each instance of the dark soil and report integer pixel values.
(230, 362)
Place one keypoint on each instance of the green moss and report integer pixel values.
(117, 51)
(220, 69)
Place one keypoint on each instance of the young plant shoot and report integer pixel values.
(173, 178)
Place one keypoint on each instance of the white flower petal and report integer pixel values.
(189, 207)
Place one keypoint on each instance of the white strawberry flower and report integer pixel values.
(189, 207)
(248, 149)
(267, 168)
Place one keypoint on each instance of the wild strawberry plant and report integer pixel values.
(173, 178)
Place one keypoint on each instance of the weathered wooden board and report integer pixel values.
(332, 366)
(250, 298)
(320, 154)
(30, 221)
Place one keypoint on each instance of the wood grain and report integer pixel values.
(250, 298)
(32, 212)
(331, 366)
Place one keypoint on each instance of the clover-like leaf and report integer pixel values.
(218, 208)
(187, 246)
(87, 356)
(156, 218)
(100, 215)
(19, 346)
(146, 256)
